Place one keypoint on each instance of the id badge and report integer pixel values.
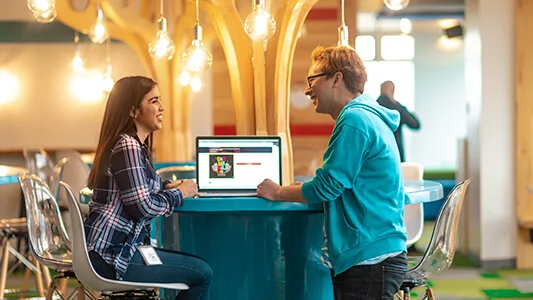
(149, 255)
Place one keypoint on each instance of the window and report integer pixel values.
(365, 45)
(397, 47)
(389, 57)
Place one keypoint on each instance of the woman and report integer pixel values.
(128, 194)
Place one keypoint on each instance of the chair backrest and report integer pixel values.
(38, 162)
(177, 172)
(441, 249)
(81, 263)
(412, 170)
(414, 213)
(48, 238)
(75, 174)
(55, 177)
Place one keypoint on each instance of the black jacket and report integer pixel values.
(406, 118)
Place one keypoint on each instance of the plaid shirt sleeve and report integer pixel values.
(143, 197)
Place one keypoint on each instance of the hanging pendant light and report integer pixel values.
(343, 30)
(40, 7)
(162, 47)
(396, 4)
(259, 25)
(196, 57)
(46, 17)
(184, 78)
(108, 82)
(99, 33)
(77, 61)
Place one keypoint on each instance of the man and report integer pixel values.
(359, 182)
(387, 99)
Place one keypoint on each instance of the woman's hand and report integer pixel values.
(188, 188)
(268, 189)
(173, 184)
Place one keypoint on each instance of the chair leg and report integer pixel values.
(3, 272)
(62, 285)
(50, 291)
(39, 280)
(429, 294)
(81, 291)
(46, 275)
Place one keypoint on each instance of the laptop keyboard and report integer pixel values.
(215, 194)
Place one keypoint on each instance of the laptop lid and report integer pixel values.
(236, 163)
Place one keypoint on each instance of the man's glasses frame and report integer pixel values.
(310, 78)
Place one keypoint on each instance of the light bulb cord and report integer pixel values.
(108, 52)
(76, 41)
(161, 7)
(197, 12)
(342, 12)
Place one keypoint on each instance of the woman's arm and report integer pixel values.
(136, 189)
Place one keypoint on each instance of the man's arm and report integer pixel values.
(272, 191)
(291, 193)
(408, 118)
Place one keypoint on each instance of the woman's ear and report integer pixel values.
(132, 112)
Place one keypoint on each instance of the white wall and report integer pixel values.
(490, 72)
(439, 98)
(46, 112)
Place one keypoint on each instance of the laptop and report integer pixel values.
(233, 166)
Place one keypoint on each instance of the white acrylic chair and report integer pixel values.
(413, 213)
(85, 271)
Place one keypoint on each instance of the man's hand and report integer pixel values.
(269, 190)
(188, 188)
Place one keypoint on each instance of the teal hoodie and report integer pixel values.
(360, 185)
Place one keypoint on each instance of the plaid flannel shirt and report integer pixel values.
(125, 202)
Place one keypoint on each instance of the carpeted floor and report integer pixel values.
(464, 280)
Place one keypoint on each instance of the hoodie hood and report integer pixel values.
(389, 116)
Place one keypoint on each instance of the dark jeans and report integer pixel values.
(177, 267)
(371, 282)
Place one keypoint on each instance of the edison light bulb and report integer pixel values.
(197, 58)
(396, 4)
(196, 84)
(77, 63)
(107, 82)
(99, 32)
(41, 6)
(46, 17)
(259, 25)
(162, 47)
(184, 78)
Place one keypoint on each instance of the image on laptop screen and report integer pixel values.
(237, 163)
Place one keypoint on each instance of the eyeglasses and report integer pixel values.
(312, 77)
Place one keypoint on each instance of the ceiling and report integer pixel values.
(11, 10)
(426, 9)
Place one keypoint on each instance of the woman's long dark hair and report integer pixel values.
(126, 95)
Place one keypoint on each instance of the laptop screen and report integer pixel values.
(237, 162)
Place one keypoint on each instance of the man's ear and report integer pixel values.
(337, 79)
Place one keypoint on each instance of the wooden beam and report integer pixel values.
(524, 130)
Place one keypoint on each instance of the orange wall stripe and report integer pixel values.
(322, 14)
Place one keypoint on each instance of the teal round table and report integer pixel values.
(9, 174)
(261, 249)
